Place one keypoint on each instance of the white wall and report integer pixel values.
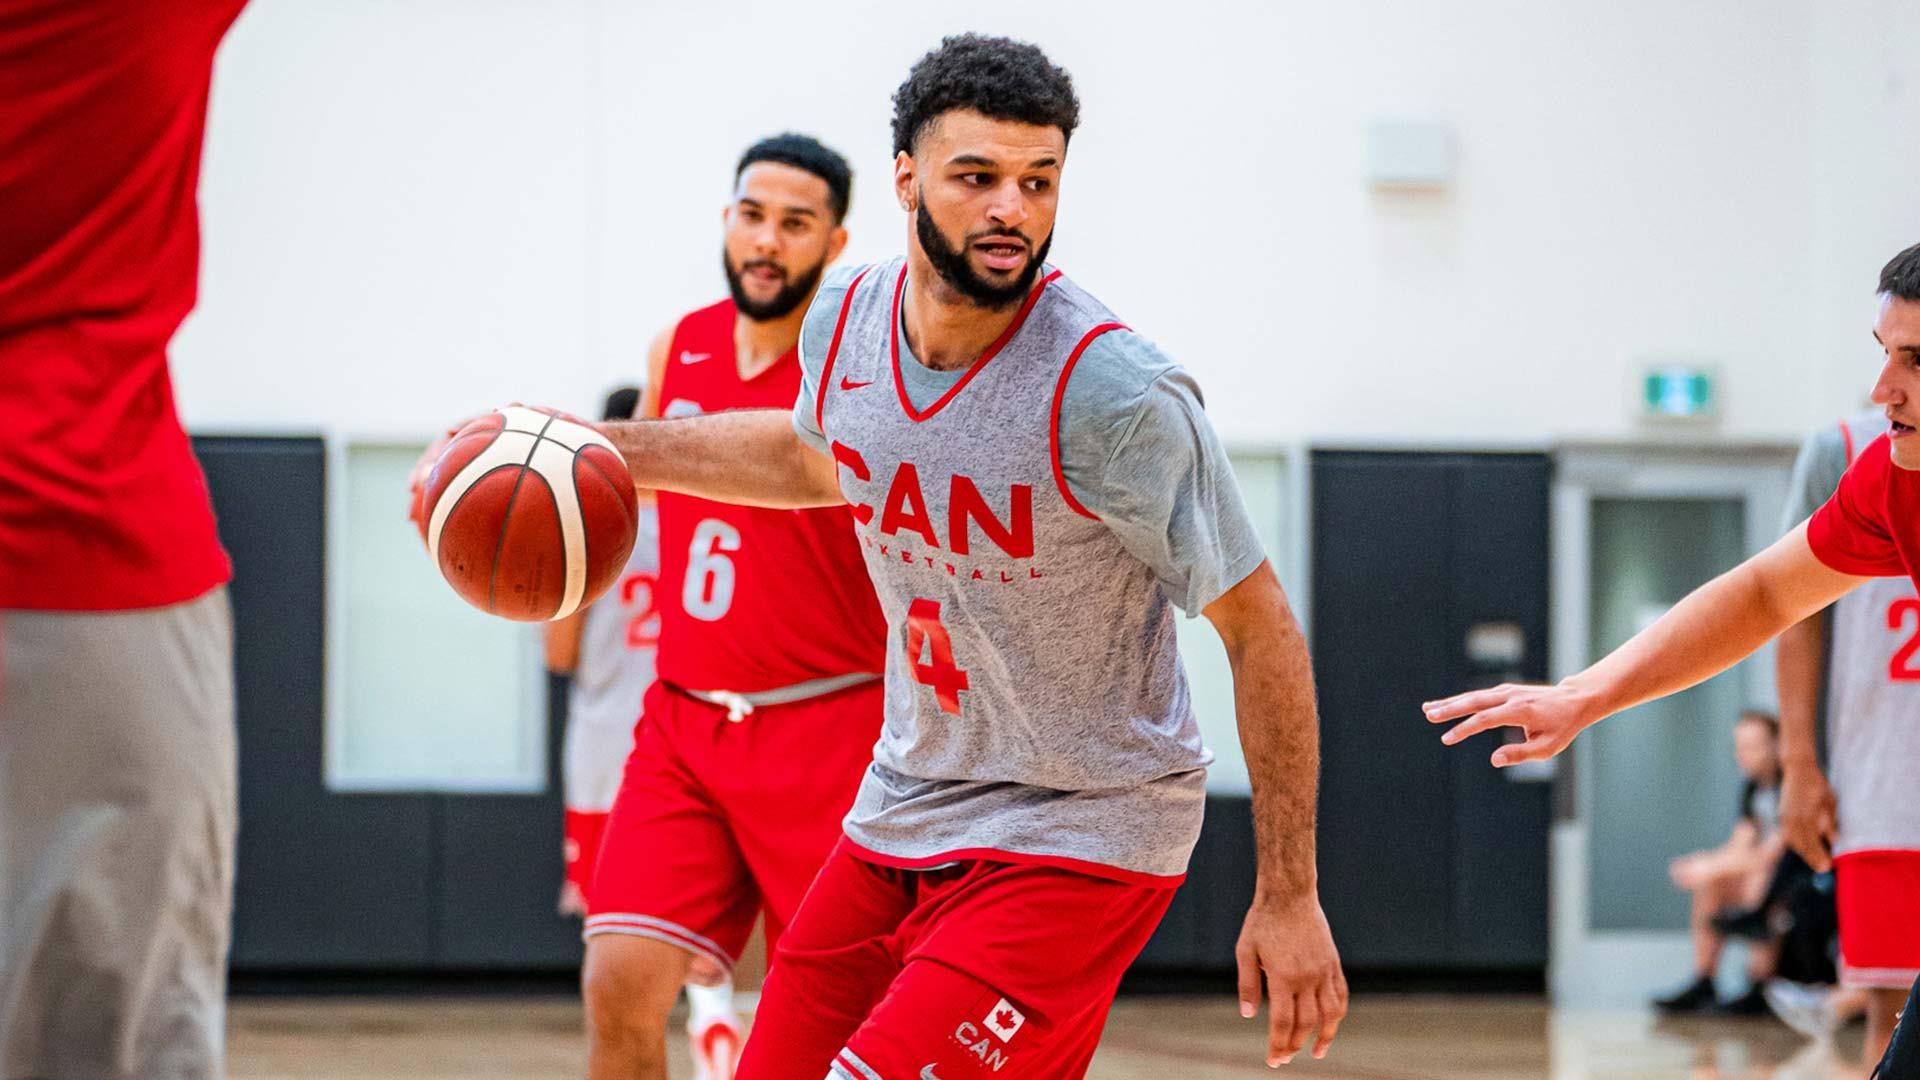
(1866, 175)
(416, 209)
(397, 213)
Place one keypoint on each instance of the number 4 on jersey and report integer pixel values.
(926, 634)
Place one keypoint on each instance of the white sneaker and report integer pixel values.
(1804, 1008)
(716, 1043)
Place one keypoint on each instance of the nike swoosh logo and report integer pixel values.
(693, 357)
(849, 384)
(927, 1073)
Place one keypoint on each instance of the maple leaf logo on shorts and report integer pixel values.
(1004, 1020)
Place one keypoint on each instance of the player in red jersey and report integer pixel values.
(117, 760)
(1870, 528)
(606, 653)
(771, 647)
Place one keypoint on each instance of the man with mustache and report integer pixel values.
(1869, 529)
(752, 741)
(1035, 488)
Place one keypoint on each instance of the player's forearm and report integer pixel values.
(1798, 667)
(1712, 629)
(751, 457)
(1279, 731)
(1715, 627)
(563, 643)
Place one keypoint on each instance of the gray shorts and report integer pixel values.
(117, 792)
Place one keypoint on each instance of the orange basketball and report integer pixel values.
(529, 513)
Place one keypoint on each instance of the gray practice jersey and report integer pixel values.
(615, 667)
(1029, 524)
(1873, 671)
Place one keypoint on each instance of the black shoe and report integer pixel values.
(1751, 1003)
(1698, 997)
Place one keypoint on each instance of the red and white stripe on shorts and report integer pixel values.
(660, 930)
(848, 1066)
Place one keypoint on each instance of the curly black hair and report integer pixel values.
(808, 153)
(1900, 278)
(994, 76)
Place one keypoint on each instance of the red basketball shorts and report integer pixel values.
(582, 839)
(718, 821)
(975, 970)
(1878, 897)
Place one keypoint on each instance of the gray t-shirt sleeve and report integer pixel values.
(816, 334)
(1137, 449)
(1816, 473)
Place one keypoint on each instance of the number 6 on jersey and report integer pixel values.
(927, 634)
(708, 591)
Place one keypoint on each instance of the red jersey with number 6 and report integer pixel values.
(753, 599)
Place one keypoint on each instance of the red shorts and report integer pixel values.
(1878, 897)
(719, 821)
(583, 831)
(979, 969)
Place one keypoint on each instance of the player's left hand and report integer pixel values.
(1809, 820)
(1548, 716)
(1288, 943)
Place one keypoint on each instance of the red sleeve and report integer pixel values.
(1850, 532)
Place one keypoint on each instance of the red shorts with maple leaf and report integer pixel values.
(975, 969)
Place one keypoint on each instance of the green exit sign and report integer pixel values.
(1679, 393)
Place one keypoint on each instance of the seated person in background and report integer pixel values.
(1734, 876)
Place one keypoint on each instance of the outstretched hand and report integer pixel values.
(1290, 948)
(1548, 717)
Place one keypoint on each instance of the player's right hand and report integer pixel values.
(1808, 814)
(1548, 716)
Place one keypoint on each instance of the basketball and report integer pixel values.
(529, 513)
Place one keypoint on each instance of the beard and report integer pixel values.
(794, 291)
(952, 265)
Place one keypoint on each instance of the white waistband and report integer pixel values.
(740, 705)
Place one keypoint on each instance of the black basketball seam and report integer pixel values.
(586, 538)
(462, 497)
(500, 545)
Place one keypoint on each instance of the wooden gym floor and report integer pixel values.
(1148, 1038)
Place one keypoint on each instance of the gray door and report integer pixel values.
(1430, 575)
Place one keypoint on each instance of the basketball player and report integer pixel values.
(117, 767)
(770, 651)
(1870, 528)
(1034, 488)
(1866, 824)
(607, 652)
